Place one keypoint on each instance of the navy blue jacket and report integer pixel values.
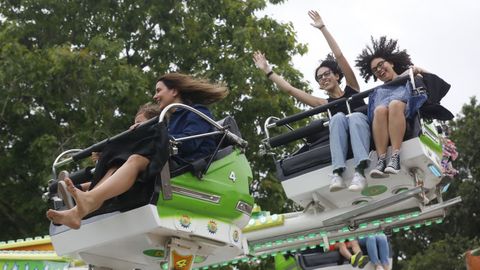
(183, 123)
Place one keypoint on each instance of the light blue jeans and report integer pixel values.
(377, 249)
(341, 126)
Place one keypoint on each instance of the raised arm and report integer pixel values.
(262, 63)
(341, 60)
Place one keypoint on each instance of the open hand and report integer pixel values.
(134, 126)
(95, 156)
(317, 20)
(261, 62)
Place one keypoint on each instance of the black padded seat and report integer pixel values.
(230, 123)
(310, 157)
(315, 258)
(177, 168)
(414, 128)
(362, 109)
(317, 155)
(305, 160)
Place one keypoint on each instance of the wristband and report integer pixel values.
(320, 28)
(269, 74)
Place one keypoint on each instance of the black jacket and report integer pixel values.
(436, 88)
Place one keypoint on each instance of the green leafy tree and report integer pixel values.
(442, 246)
(74, 72)
(445, 254)
(54, 99)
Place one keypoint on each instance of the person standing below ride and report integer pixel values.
(378, 250)
(170, 88)
(329, 75)
(390, 105)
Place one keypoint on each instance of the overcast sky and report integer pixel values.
(441, 36)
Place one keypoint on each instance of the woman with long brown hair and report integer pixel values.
(170, 88)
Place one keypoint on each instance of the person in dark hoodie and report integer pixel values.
(391, 104)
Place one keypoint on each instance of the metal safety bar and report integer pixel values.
(223, 130)
(268, 125)
(58, 163)
(375, 205)
(78, 154)
(327, 107)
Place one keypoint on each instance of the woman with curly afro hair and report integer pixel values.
(385, 61)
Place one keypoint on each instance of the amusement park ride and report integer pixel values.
(203, 217)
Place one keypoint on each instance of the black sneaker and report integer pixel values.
(393, 166)
(363, 261)
(379, 171)
(355, 259)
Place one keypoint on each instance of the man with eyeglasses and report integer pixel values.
(342, 128)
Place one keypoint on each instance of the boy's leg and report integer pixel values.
(355, 246)
(342, 248)
(358, 259)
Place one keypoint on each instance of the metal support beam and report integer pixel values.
(372, 206)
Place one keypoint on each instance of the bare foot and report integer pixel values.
(85, 202)
(70, 186)
(72, 218)
(68, 218)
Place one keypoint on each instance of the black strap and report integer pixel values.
(165, 182)
(198, 166)
(210, 160)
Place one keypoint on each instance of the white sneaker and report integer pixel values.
(336, 182)
(358, 182)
